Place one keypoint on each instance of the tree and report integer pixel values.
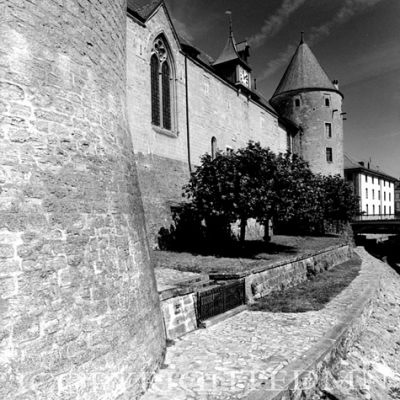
(299, 194)
(340, 202)
(236, 185)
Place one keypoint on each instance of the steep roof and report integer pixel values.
(304, 72)
(143, 8)
(350, 164)
(229, 52)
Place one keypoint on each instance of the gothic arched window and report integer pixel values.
(162, 85)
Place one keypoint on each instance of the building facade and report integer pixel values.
(182, 104)
(397, 197)
(375, 189)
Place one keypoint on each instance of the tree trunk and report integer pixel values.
(243, 223)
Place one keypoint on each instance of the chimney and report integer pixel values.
(336, 84)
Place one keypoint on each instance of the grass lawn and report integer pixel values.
(311, 295)
(255, 254)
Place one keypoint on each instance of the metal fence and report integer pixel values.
(219, 299)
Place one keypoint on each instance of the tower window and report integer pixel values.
(162, 89)
(366, 193)
(327, 102)
(297, 102)
(329, 155)
(213, 147)
(289, 139)
(328, 129)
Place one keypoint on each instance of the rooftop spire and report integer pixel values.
(229, 52)
(229, 13)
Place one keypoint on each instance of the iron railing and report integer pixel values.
(217, 300)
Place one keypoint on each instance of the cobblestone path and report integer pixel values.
(238, 355)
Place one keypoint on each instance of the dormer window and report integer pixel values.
(162, 86)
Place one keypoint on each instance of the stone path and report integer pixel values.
(240, 354)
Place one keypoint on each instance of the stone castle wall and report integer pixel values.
(215, 110)
(311, 116)
(79, 312)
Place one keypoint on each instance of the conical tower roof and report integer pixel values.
(304, 72)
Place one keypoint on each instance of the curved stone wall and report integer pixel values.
(311, 115)
(79, 311)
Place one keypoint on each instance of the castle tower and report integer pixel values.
(307, 97)
(79, 310)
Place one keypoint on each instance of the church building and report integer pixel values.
(183, 104)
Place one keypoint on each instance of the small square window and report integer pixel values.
(329, 155)
(328, 129)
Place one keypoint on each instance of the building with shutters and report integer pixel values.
(375, 188)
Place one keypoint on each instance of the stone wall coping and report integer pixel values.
(325, 350)
(174, 292)
(276, 264)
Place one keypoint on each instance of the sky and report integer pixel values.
(356, 42)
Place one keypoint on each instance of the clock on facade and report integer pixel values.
(244, 77)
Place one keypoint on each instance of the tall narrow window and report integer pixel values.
(297, 102)
(213, 147)
(373, 209)
(366, 208)
(162, 85)
(166, 96)
(366, 193)
(155, 91)
(329, 155)
(327, 102)
(289, 142)
(328, 129)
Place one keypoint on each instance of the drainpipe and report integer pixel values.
(187, 115)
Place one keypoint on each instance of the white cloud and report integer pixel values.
(273, 24)
(348, 10)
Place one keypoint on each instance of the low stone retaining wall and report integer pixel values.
(303, 378)
(179, 312)
(179, 304)
(291, 272)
